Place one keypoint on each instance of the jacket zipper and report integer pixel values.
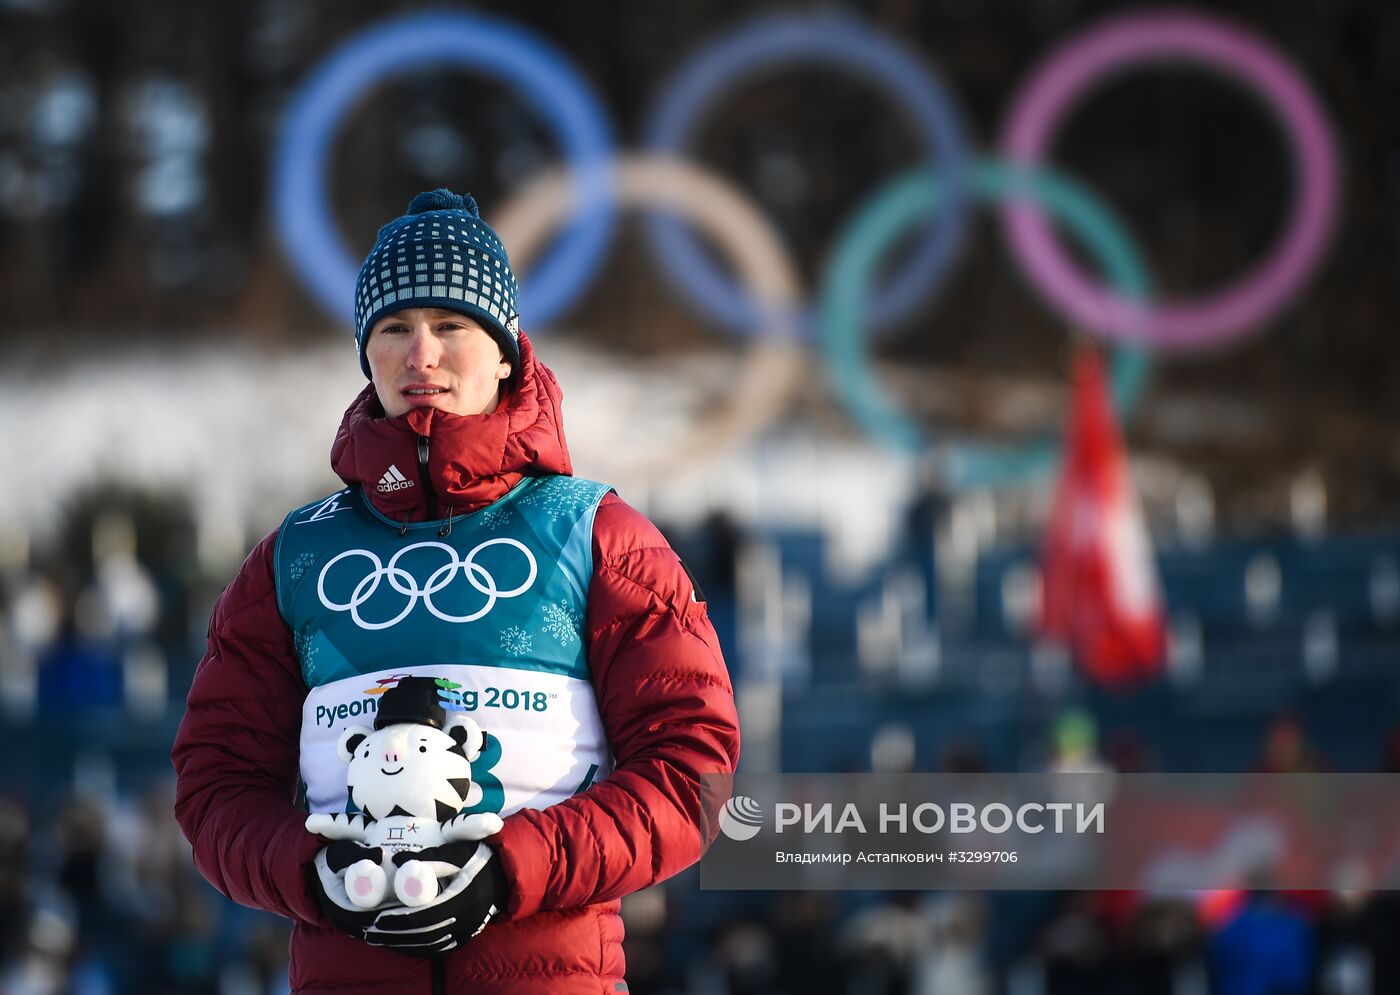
(426, 480)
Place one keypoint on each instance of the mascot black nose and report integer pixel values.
(412, 699)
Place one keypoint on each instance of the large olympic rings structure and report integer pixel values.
(907, 202)
(771, 370)
(402, 581)
(581, 201)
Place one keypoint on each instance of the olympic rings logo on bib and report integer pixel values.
(402, 581)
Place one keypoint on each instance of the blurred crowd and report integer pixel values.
(98, 893)
(98, 896)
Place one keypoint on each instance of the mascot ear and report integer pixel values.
(468, 735)
(350, 740)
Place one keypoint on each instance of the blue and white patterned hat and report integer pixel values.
(439, 254)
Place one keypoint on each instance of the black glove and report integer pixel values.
(329, 886)
(467, 902)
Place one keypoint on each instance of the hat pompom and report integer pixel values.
(443, 199)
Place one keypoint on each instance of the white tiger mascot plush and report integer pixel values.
(409, 776)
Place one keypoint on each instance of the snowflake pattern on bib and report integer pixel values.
(494, 518)
(305, 648)
(561, 496)
(516, 641)
(562, 623)
(301, 564)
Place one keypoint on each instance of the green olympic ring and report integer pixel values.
(900, 206)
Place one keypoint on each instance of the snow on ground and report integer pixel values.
(245, 436)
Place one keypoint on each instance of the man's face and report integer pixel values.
(427, 357)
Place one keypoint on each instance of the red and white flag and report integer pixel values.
(1100, 590)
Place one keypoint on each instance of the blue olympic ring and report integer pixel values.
(848, 44)
(893, 210)
(483, 44)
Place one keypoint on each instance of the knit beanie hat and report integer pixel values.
(439, 254)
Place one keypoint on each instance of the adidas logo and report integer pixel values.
(393, 480)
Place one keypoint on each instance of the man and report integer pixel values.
(464, 551)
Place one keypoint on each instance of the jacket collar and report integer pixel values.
(473, 460)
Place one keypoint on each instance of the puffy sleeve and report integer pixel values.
(236, 754)
(668, 708)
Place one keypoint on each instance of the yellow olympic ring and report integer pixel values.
(772, 364)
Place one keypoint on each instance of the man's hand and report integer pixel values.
(468, 901)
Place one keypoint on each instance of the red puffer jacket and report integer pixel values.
(661, 685)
